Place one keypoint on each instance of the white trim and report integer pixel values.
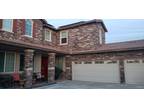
(15, 62)
(61, 38)
(100, 36)
(11, 31)
(50, 35)
(31, 36)
(28, 36)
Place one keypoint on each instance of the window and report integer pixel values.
(111, 62)
(63, 37)
(133, 61)
(100, 36)
(7, 25)
(7, 61)
(77, 62)
(99, 62)
(87, 62)
(47, 35)
(2, 56)
(28, 27)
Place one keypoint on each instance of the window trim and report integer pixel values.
(100, 36)
(50, 35)
(11, 31)
(61, 38)
(30, 36)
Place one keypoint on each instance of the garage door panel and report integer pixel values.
(134, 72)
(96, 72)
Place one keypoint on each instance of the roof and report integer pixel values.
(46, 24)
(114, 47)
(81, 23)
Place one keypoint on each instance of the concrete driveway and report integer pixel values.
(90, 85)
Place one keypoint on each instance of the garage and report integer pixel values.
(96, 71)
(134, 71)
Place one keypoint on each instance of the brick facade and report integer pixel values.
(18, 34)
(82, 38)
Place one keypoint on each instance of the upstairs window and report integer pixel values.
(7, 25)
(100, 36)
(28, 27)
(47, 35)
(63, 37)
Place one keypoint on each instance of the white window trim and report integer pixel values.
(49, 40)
(30, 36)
(11, 31)
(100, 36)
(61, 38)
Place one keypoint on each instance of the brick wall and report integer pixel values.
(83, 38)
(109, 56)
(80, 38)
(120, 56)
(53, 38)
(19, 33)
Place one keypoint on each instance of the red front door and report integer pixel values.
(44, 67)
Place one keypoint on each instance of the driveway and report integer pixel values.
(90, 85)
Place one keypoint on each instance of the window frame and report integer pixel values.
(62, 38)
(11, 25)
(30, 36)
(49, 40)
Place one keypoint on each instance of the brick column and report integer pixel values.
(121, 69)
(51, 67)
(28, 68)
(68, 66)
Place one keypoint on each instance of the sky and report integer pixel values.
(119, 30)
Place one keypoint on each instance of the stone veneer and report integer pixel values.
(51, 67)
(68, 67)
(28, 68)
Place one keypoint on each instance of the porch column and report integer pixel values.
(51, 67)
(121, 69)
(28, 68)
(68, 65)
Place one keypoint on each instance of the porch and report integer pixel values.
(28, 67)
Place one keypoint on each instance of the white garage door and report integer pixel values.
(99, 71)
(134, 71)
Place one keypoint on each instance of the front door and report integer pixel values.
(44, 67)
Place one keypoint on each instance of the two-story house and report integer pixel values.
(72, 52)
